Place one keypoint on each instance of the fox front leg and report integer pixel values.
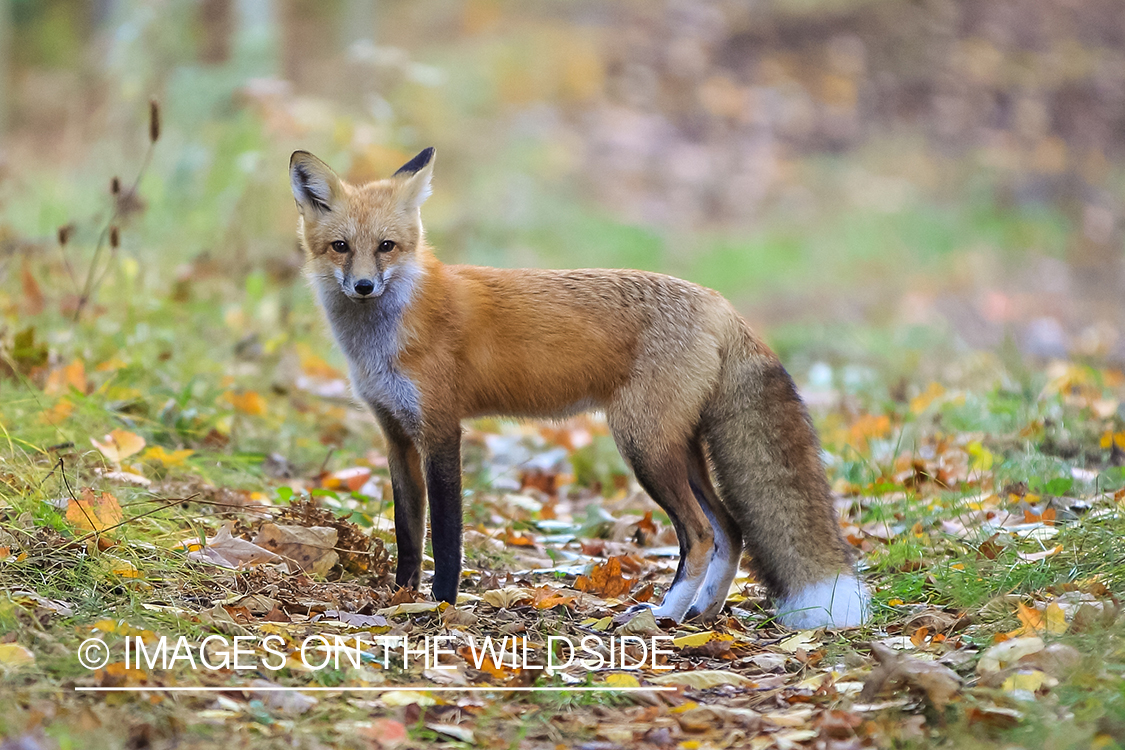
(442, 464)
(408, 488)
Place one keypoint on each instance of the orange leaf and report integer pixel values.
(119, 444)
(868, 426)
(59, 412)
(605, 580)
(60, 379)
(32, 295)
(351, 479)
(91, 513)
(516, 539)
(248, 402)
(547, 598)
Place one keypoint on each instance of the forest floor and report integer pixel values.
(171, 471)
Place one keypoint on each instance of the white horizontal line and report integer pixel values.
(319, 689)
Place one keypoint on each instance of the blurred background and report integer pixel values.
(846, 171)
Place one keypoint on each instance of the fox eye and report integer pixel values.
(386, 246)
(340, 246)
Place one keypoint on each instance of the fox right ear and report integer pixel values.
(315, 185)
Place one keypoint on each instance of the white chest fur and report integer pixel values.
(370, 335)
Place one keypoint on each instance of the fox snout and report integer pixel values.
(364, 289)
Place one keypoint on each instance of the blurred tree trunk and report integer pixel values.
(217, 23)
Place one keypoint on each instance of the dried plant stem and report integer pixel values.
(94, 278)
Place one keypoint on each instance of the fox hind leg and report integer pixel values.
(664, 475)
(727, 553)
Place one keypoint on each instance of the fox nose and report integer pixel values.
(364, 286)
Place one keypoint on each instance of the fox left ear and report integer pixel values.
(415, 175)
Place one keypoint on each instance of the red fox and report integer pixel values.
(700, 408)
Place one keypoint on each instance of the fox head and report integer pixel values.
(360, 237)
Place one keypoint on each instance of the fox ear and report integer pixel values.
(415, 176)
(315, 185)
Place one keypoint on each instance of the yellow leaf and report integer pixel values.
(15, 655)
(112, 364)
(1054, 618)
(922, 401)
(981, 457)
(621, 680)
(123, 568)
(92, 513)
(175, 458)
(119, 444)
(804, 640)
(693, 641)
(247, 402)
(702, 679)
(1030, 681)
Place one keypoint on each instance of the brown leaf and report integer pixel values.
(939, 683)
(311, 548)
(228, 551)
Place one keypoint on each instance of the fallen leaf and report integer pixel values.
(409, 608)
(702, 679)
(621, 680)
(351, 480)
(894, 670)
(15, 655)
(94, 513)
(507, 597)
(693, 640)
(386, 733)
(169, 459)
(548, 598)
(806, 640)
(119, 444)
(1031, 680)
(247, 402)
(642, 623)
(407, 698)
(605, 580)
(228, 551)
(60, 380)
(1005, 654)
(456, 731)
(310, 547)
(353, 619)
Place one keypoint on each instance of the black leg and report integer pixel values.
(408, 487)
(443, 483)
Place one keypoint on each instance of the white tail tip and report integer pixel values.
(840, 602)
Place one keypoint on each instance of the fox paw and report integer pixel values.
(840, 602)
